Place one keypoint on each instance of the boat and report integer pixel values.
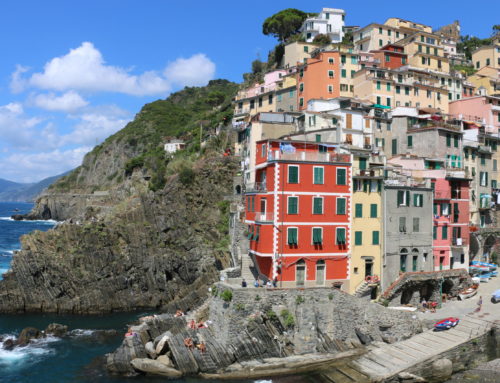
(492, 266)
(484, 275)
(495, 296)
(469, 292)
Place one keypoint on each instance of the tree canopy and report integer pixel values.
(284, 24)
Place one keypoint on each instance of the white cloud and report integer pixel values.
(37, 166)
(194, 71)
(84, 69)
(17, 129)
(17, 82)
(68, 102)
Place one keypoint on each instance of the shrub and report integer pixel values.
(271, 314)
(227, 295)
(214, 291)
(136, 162)
(330, 296)
(288, 319)
(239, 306)
(186, 176)
(299, 299)
(257, 297)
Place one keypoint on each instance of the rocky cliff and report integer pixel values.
(141, 228)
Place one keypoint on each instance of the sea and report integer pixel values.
(78, 357)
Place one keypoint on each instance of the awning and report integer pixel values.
(380, 106)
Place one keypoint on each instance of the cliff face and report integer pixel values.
(141, 228)
(144, 251)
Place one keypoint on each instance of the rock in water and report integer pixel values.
(56, 329)
(27, 334)
(155, 367)
(8, 344)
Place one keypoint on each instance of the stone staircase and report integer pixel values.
(248, 269)
(386, 360)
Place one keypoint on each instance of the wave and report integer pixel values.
(7, 253)
(3, 271)
(81, 332)
(42, 221)
(36, 348)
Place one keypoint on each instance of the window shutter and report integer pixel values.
(340, 236)
(292, 205)
(415, 199)
(407, 198)
(317, 236)
(292, 236)
(257, 233)
(318, 176)
(435, 209)
(341, 206)
(359, 210)
(358, 238)
(293, 174)
(445, 232)
(373, 210)
(434, 232)
(317, 206)
(341, 176)
(375, 238)
(400, 197)
(250, 232)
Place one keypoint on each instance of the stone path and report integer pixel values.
(385, 360)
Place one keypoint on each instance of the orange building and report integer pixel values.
(298, 215)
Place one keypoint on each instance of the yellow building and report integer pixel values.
(367, 225)
(297, 52)
(487, 56)
(425, 51)
(487, 80)
(407, 26)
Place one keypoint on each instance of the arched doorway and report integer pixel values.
(403, 259)
(300, 273)
(414, 260)
(406, 296)
(447, 286)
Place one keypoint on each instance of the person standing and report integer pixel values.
(243, 283)
(479, 304)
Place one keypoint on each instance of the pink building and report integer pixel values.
(482, 109)
(451, 222)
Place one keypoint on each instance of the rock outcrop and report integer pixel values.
(287, 327)
(133, 249)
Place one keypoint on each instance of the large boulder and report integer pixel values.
(27, 335)
(442, 369)
(155, 367)
(8, 344)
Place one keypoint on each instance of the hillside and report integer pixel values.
(142, 229)
(6, 185)
(26, 192)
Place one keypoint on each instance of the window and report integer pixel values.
(403, 198)
(381, 31)
(483, 178)
(270, 99)
(407, 90)
(388, 101)
(429, 94)
(353, 72)
(380, 43)
(495, 165)
(402, 224)
(394, 146)
(358, 210)
(388, 86)
(318, 138)
(398, 89)
(418, 200)
(362, 163)
(341, 206)
(410, 141)
(292, 236)
(330, 88)
(301, 87)
(358, 238)
(434, 232)
(317, 205)
(317, 235)
(448, 139)
(487, 62)
(291, 94)
(378, 85)
(403, 60)
(301, 101)
(402, 260)
(455, 141)
(354, 59)
(330, 73)
(293, 174)
(444, 234)
(375, 238)
(257, 233)
(373, 210)
(379, 100)
(341, 177)
(331, 60)
(306, 48)
(318, 175)
(340, 236)
(416, 224)
(483, 159)
(293, 205)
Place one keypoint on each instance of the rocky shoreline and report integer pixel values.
(258, 333)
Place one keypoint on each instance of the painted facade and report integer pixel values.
(299, 222)
(330, 22)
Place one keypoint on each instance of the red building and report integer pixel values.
(451, 223)
(298, 213)
(391, 56)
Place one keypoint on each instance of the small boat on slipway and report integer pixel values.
(469, 292)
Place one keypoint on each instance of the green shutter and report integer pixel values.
(318, 176)
(340, 236)
(293, 174)
(448, 139)
(341, 177)
(340, 206)
(317, 240)
(359, 210)
(400, 197)
(434, 232)
(373, 210)
(394, 146)
(375, 238)
(407, 198)
(292, 236)
(445, 232)
(455, 141)
(362, 163)
(257, 233)
(486, 178)
(318, 137)
(293, 205)
(317, 205)
(250, 232)
(358, 238)
(435, 209)
(415, 199)
(253, 203)
(410, 141)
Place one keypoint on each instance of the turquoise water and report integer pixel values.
(78, 357)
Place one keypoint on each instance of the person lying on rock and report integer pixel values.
(201, 346)
(192, 324)
(179, 313)
(188, 342)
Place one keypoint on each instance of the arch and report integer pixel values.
(489, 244)
(238, 189)
(300, 273)
(447, 286)
(403, 259)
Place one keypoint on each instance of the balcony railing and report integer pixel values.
(256, 187)
(457, 242)
(455, 173)
(264, 217)
(308, 157)
(239, 111)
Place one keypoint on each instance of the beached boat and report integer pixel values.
(469, 292)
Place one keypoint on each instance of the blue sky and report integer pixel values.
(74, 72)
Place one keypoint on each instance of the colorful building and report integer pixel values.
(487, 56)
(299, 219)
(391, 56)
(367, 229)
(329, 22)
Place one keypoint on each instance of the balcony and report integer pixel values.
(265, 217)
(484, 149)
(455, 173)
(369, 173)
(256, 187)
(457, 242)
(442, 194)
(241, 111)
(496, 108)
(308, 157)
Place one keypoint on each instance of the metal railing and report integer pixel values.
(308, 156)
(256, 187)
(264, 217)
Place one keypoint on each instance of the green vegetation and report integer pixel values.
(214, 291)
(288, 320)
(239, 307)
(284, 24)
(257, 298)
(227, 295)
(271, 315)
(330, 296)
(466, 70)
(322, 39)
(299, 299)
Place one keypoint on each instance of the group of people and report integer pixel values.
(258, 283)
(431, 305)
(193, 325)
(190, 344)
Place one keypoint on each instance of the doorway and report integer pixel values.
(368, 268)
(300, 273)
(320, 273)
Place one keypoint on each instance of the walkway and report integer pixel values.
(386, 360)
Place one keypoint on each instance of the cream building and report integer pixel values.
(487, 56)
